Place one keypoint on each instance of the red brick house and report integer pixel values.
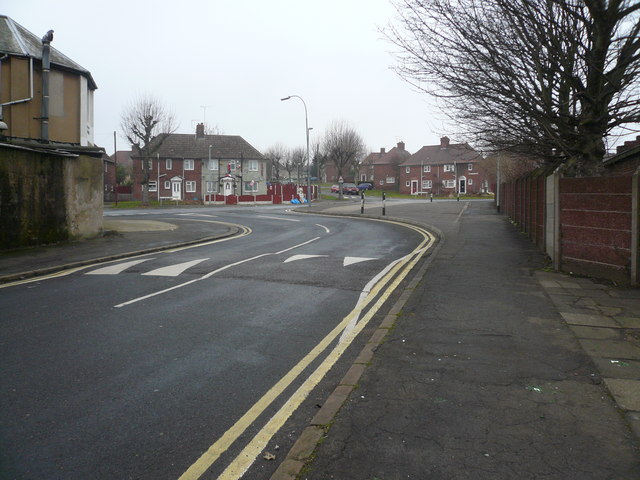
(189, 167)
(386, 170)
(444, 169)
(626, 159)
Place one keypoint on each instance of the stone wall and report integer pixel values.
(49, 194)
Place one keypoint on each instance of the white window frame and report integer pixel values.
(449, 183)
(407, 169)
(381, 182)
(189, 164)
(253, 165)
(470, 166)
(426, 168)
(190, 186)
(448, 167)
(168, 164)
(233, 165)
(153, 186)
(249, 188)
(391, 179)
(167, 184)
(407, 183)
(150, 165)
(470, 181)
(213, 164)
(210, 186)
(426, 185)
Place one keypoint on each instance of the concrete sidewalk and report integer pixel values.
(489, 367)
(123, 237)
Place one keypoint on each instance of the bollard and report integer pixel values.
(431, 196)
(458, 197)
(362, 202)
(384, 203)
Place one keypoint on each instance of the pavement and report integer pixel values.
(487, 366)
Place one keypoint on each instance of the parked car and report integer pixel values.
(350, 189)
(365, 186)
(347, 189)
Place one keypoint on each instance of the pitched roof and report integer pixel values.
(18, 41)
(393, 157)
(440, 155)
(371, 158)
(187, 145)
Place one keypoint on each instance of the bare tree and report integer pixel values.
(545, 77)
(342, 146)
(275, 154)
(298, 156)
(146, 123)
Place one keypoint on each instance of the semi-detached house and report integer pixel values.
(445, 169)
(191, 168)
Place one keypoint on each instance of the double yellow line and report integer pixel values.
(247, 456)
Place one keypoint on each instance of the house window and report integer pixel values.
(153, 186)
(470, 181)
(168, 163)
(213, 165)
(381, 182)
(407, 184)
(167, 184)
(211, 187)
(426, 168)
(448, 168)
(470, 166)
(426, 184)
(150, 163)
(449, 183)
(407, 169)
(250, 188)
(232, 166)
(253, 165)
(105, 168)
(391, 179)
(189, 164)
(190, 186)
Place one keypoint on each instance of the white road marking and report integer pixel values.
(322, 226)
(302, 257)
(210, 274)
(279, 218)
(197, 215)
(174, 270)
(116, 269)
(352, 260)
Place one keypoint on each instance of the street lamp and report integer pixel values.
(306, 125)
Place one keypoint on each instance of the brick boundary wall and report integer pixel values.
(587, 226)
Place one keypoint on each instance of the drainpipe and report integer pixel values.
(46, 65)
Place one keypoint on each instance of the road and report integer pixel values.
(186, 363)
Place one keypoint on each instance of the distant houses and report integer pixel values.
(195, 167)
(443, 169)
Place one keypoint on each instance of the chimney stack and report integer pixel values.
(200, 130)
(382, 150)
(400, 145)
(444, 142)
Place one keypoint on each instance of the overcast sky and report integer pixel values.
(237, 58)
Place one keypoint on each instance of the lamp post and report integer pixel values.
(306, 125)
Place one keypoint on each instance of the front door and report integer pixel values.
(176, 190)
(228, 188)
(462, 185)
(414, 187)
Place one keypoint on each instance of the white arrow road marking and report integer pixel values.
(174, 270)
(279, 218)
(116, 269)
(326, 229)
(352, 260)
(302, 257)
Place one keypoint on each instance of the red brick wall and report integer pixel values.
(596, 225)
